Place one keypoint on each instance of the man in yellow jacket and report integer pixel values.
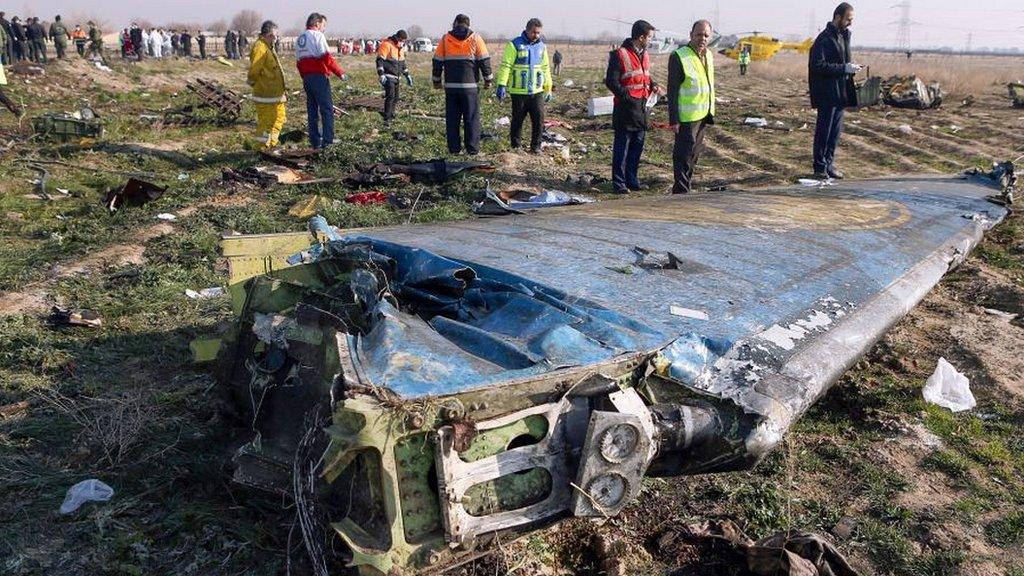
(267, 80)
(525, 73)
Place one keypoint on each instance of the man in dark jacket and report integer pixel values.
(20, 40)
(36, 35)
(201, 42)
(830, 76)
(186, 44)
(138, 46)
(460, 61)
(629, 78)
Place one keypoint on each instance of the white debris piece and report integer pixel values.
(204, 293)
(756, 122)
(568, 83)
(687, 312)
(166, 216)
(811, 182)
(503, 121)
(600, 106)
(948, 388)
(91, 490)
(905, 129)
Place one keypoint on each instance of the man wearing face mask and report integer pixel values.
(629, 78)
(830, 76)
(691, 102)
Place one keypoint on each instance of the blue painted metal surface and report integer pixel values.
(773, 270)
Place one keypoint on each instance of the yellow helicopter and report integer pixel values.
(760, 47)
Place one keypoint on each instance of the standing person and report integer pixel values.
(157, 39)
(79, 37)
(314, 61)
(830, 77)
(6, 100)
(36, 35)
(201, 42)
(390, 66)
(95, 41)
(460, 59)
(138, 42)
(268, 90)
(691, 102)
(167, 50)
(175, 43)
(230, 44)
(7, 48)
(60, 36)
(629, 78)
(185, 41)
(525, 73)
(20, 40)
(556, 62)
(243, 45)
(744, 60)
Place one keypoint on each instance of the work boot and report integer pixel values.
(833, 173)
(639, 187)
(821, 176)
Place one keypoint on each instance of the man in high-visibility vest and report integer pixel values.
(390, 66)
(744, 60)
(460, 60)
(268, 91)
(629, 78)
(525, 73)
(691, 102)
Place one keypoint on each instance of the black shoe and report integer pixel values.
(833, 173)
(639, 187)
(679, 190)
(620, 191)
(821, 176)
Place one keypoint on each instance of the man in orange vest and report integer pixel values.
(459, 61)
(629, 79)
(390, 67)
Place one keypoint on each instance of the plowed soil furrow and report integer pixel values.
(905, 147)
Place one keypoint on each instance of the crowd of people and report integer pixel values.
(461, 64)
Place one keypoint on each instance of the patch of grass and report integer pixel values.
(1008, 530)
(950, 463)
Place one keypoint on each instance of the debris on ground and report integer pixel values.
(948, 388)
(911, 92)
(756, 122)
(905, 129)
(205, 293)
(10, 410)
(308, 207)
(225, 104)
(75, 317)
(66, 127)
(503, 121)
(967, 101)
(135, 192)
(364, 198)
(1016, 94)
(291, 176)
(869, 92)
(26, 69)
(787, 553)
(515, 201)
(430, 172)
(91, 490)
(601, 106)
(290, 157)
(166, 217)
(585, 181)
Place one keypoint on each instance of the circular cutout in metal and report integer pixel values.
(619, 442)
(608, 490)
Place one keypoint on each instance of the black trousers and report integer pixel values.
(462, 110)
(392, 90)
(688, 146)
(521, 106)
(60, 48)
(826, 137)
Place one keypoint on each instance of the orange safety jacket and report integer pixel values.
(636, 73)
(391, 58)
(462, 58)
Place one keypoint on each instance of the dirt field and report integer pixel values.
(902, 487)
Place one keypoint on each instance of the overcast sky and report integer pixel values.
(996, 24)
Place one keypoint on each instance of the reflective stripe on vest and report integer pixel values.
(527, 75)
(697, 92)
(636, 73)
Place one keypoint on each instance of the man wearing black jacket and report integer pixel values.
(830, 78)
(629, 78)
(8, 40)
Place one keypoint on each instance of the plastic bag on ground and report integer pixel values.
(949, 388)
(91, 490)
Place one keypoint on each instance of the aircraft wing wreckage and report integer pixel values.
(422, 389)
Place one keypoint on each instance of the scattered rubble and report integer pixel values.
(911, 92)
(135, 192)
(948, 388)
